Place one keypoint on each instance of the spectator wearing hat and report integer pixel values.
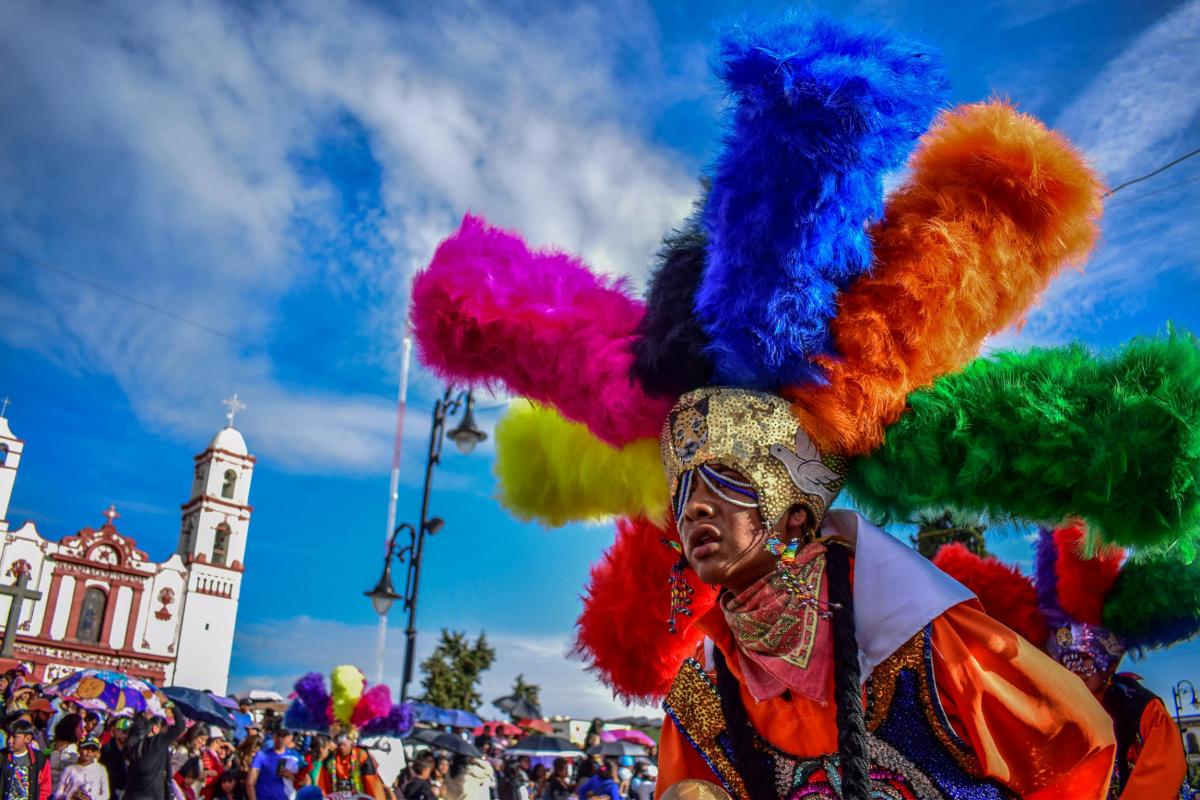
(86, 779)
(24, 771)
(40, 712)
(243, 720)
(112, 757)
(273, 772)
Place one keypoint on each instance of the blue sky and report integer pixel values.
(276, 171)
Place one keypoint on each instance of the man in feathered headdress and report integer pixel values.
(799, 335)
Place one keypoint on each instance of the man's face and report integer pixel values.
(723, 542)
(121, 737)
(523, 762)
(284, 741)
(40, 718)
(345, 746)
(87, 755)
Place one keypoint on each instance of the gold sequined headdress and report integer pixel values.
(756, 434)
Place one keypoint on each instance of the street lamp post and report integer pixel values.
(1177, 695)
(466, 435)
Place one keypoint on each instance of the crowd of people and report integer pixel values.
(51, 749)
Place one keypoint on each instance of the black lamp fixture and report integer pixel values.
(467, 434)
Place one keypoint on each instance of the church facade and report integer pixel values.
(94, 600)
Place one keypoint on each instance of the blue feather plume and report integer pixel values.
(820, 111)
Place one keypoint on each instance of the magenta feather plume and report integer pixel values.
(491, 310)
(375, 702)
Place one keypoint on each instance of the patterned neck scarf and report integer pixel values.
(782, 628)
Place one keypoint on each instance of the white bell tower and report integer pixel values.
(10, 459)
(212, 542)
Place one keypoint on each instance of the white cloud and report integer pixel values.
(1137, 113)
(274, 653)
(158, 152)
(1139, 107)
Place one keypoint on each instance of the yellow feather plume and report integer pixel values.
(555, 471)
(347, 683)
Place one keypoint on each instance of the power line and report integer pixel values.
(1149, 175)
(1171, 187)
(336, 379)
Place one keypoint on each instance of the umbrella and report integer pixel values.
(519, 707)
(456, 718)
(546, 744)
(200, 706)
(536, 725)
(617, 749)
(221, 700)
(104, 690)
(423, 735)
(497, 728)
(456, 745)
(636, 737)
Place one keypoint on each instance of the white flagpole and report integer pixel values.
(394, 490)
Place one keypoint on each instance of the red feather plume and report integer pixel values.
(622, 632)
(1083, 584)
(1003, 591)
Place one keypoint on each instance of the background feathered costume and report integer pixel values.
(794, 275)
(348, 706)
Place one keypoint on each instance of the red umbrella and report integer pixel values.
(635, 736)
(536, 725)
(497, 728)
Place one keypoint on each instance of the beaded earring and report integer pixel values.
(681, 590)
(804, 585)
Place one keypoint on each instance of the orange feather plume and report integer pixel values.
(628, 592)
(996, 205)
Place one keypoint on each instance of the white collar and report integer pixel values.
(897, 591)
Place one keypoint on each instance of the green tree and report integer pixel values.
(529, 691)
(452, 671)
(935, 530)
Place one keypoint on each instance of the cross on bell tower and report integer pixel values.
(234, 405)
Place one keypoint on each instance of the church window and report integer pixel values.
(91, 616)
(3, 454)
(230, 483)
(221, 544)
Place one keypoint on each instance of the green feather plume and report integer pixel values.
(1054, 433)
(1155, 602)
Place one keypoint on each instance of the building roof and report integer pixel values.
(230, 440)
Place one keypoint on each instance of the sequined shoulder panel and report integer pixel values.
(694, 705)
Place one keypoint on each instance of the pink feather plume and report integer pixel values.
(375, 702)
(491, 310)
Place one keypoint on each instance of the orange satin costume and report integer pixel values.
(1159, 763)
(1033, 726)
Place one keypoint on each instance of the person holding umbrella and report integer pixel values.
(147, 754)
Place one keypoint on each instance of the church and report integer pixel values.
(94, 600)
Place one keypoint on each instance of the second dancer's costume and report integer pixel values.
(1086, 613)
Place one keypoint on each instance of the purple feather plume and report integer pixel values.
(397, 722)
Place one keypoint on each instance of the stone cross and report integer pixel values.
(110, 514)
(19, 592)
